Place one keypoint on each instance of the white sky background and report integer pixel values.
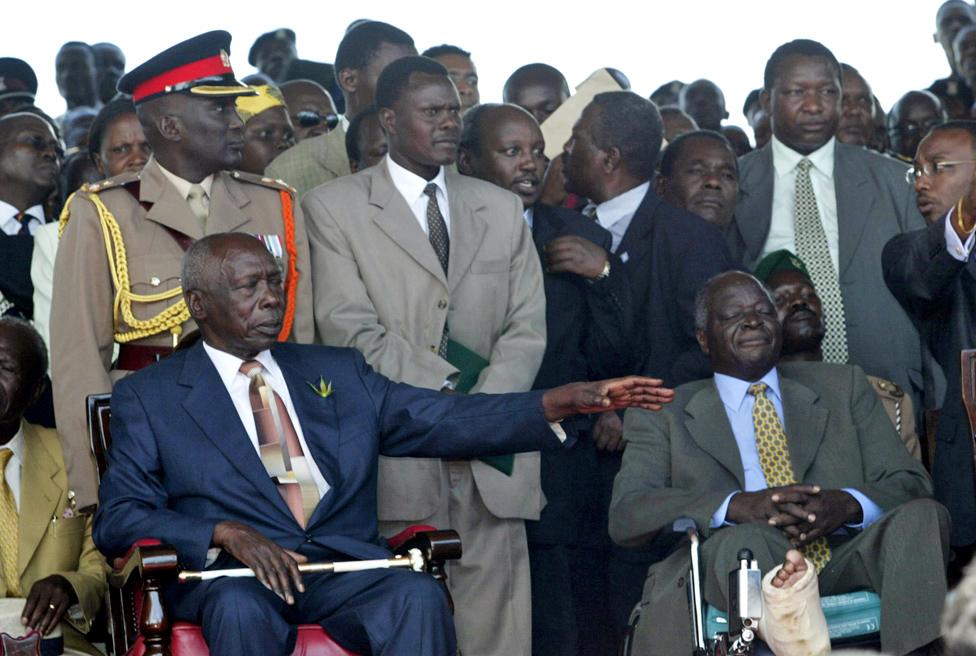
(652, 42)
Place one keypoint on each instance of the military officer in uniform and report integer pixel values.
(117, 272)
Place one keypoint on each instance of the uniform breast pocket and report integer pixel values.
(152, 274)
(490, 266)
(67, 528)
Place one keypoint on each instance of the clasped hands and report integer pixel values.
(803, 512)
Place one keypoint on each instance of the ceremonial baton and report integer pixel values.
(414, 560)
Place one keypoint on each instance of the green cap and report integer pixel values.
(782, 260)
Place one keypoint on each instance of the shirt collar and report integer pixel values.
(229, 366)
(410, 185)
(183, 186)
(733, 391)
(785, 158)
(8, 211)
(16, 444)
(527, 215)
(620, 207)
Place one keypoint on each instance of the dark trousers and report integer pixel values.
(381, 612)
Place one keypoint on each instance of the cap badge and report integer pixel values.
(224, 59)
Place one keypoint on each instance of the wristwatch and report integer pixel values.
(603, 275)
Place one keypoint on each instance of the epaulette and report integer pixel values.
(888, 387)
(120, 180)
(262, 180)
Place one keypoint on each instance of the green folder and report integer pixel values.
(470, 364)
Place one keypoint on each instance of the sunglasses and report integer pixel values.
(310, 119)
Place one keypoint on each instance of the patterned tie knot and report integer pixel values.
(196, 192)
(758, 389)
(431, 190)
(251, 368)
(804, 165)
(5, 456)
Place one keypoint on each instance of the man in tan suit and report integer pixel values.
(363, 53)
(117, 272)
(411, 260)
(46, 549)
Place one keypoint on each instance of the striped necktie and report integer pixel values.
(440, 241)
(8, 531)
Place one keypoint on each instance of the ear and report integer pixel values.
(170, 127)
(100, 165)
(465, 164)
(196, 305)
(387, 121)
(611, 159)
(764, 100)
(702, 341)
(348, 79)
(660, 184)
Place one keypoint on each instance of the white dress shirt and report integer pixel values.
(616, 214)
(11, 225)
(237, 384)
(782, 234)
(183, 186)
(411, 186)
(528, 216)
(11, 472)
(954, 245)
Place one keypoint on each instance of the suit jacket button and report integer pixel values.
(433, 349)
(441, 304)
(308, 537)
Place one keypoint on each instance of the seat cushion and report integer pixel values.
(188, 641)
(850, 615)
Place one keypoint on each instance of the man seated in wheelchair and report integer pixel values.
(772, 457)
(52, 580)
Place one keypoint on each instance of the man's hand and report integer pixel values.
(273, 566)
(47, 602)
(767, 506)
(821, 514)
(600, 396)
(572, 254)
(608, 432)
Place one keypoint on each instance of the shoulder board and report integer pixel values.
(887, 387)
(119, 180)
(264, 181)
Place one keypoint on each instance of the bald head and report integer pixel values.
(30, 159)
(233, 289)
(23, 363)
(537, 88)
(309, 105)
(911, 118)
(704, 102)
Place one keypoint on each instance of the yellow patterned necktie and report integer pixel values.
(199, 204)
(774, 456)
(8, 530)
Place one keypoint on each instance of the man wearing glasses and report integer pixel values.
(311, 108)
(932, 274)
(910, 119)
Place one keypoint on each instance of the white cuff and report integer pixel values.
(954, 245)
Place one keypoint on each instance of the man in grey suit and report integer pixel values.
(835, 206)
(432, 276)
(769, 457)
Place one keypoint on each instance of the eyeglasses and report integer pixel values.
(911, 128)
(914, 173)
(310, 119)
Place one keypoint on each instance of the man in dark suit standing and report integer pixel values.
(586, 326)
(185, 465)
(770, 457)
(931, 272)
(835, 206)
(666, 253)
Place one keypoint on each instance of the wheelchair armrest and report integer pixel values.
(406, 534)
(149, 558)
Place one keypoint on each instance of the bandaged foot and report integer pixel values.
(793, 622)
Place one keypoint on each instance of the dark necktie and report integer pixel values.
(281, 450)
(436, 227)
(25, 220)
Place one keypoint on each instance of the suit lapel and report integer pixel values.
(546, 226)
(40, 495)
(226, 203)
(213, 411)
(804, 422)
(754, 210)
(636, 242)
(853, 205)
(166, 206)
(396, 219)
(709, 428)
(468, 228)
(318, 419)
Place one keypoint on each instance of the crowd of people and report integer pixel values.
(336, 300)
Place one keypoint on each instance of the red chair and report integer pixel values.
(137, 621)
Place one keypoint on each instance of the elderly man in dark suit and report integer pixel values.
(665, 252)
(835, 206)
(198, 462)
(769, 458)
